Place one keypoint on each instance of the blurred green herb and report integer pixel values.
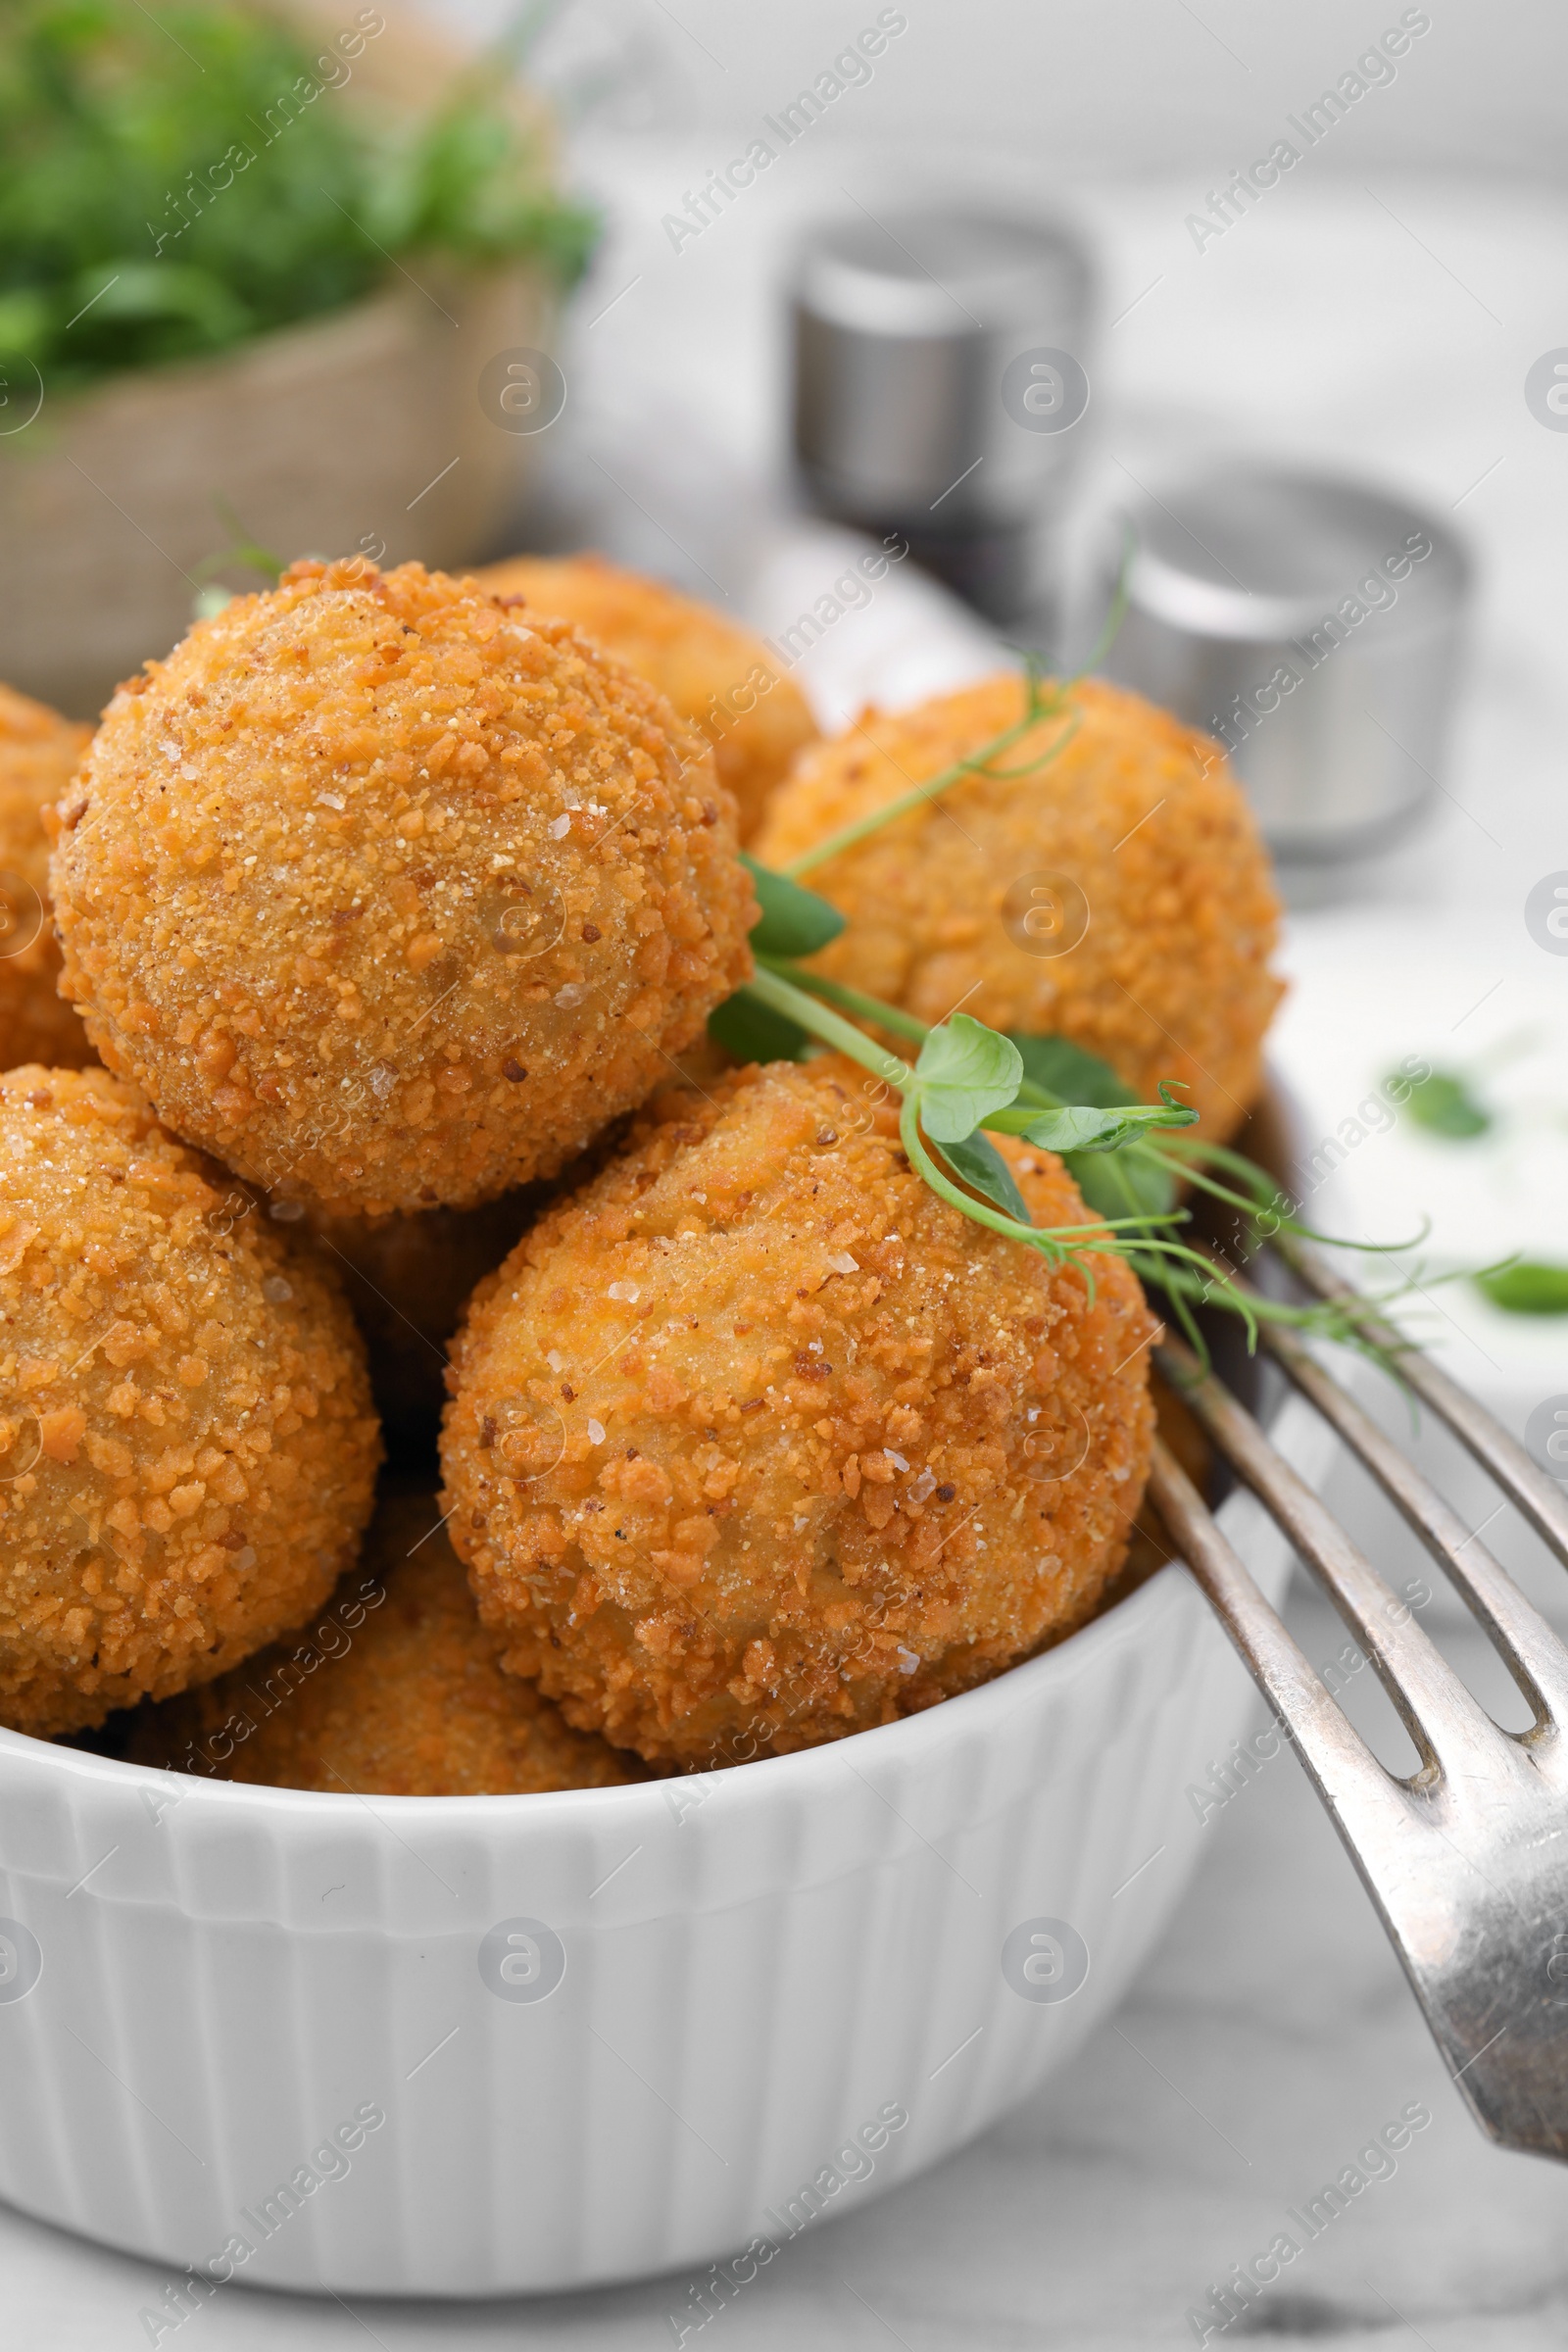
(755, 1032)
(794, 921)
(1061, 1068)
(1444, 1105)
(242, 552)
(1528, 1288)
(171, 184)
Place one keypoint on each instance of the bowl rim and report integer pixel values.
(913, 1739)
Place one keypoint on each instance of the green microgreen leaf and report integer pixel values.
(794, 921)
(1119, 1184)
(1082, 1127)
(965, 1072)
(980, 1166)
(1442, 1103)
(755, 1032)
(1059, 1067)
(1529, 1287)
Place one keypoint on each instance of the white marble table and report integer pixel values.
(1274, 2034)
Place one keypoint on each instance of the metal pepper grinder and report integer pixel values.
(940, 381)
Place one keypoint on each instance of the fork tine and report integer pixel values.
(1526, 1643)
(1368, 1804)
(1469, 1904)
(1542, 1501)
(1453, 1733)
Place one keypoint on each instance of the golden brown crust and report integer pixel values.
(38, 755)
(1171, 978)
(754, 1442)
(720, 677)
(187, 1449)
(395, 1691)
(389, 898)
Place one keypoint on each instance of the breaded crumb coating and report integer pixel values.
(389, 897)
(38, 755)
(395, 1691)
(756, 1442)
(1135, 843)
(719, 677)
(187, 1450)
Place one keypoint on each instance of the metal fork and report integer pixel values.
(1467, 1858)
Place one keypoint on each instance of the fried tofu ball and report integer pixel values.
(38, 753)
(756, 1442)
(395, 1692)
(390, 898)
(187, 1450)
(720, 677)
(1119, 896)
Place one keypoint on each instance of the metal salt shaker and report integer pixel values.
(1315, 626)
(939, 375)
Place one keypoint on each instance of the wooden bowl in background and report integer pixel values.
(324, 437)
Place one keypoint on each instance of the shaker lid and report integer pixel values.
(968, 272)
(1259, 552)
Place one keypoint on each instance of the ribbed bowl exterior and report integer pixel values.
(211, 1994)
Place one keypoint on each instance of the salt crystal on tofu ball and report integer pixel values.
(389, 897)
(187, 1449)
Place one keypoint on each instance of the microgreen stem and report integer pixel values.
(1116, 611)
(849, 1000)
(782, 996)
(1263, 1194)
(242, 551)
(769, 985)
(1041, 705)
(902, 1024)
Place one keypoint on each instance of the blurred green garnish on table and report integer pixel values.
(174, 182)
(1443, 1103)
(1527, 1288)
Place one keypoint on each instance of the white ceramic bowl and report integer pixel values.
(210, 1993)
